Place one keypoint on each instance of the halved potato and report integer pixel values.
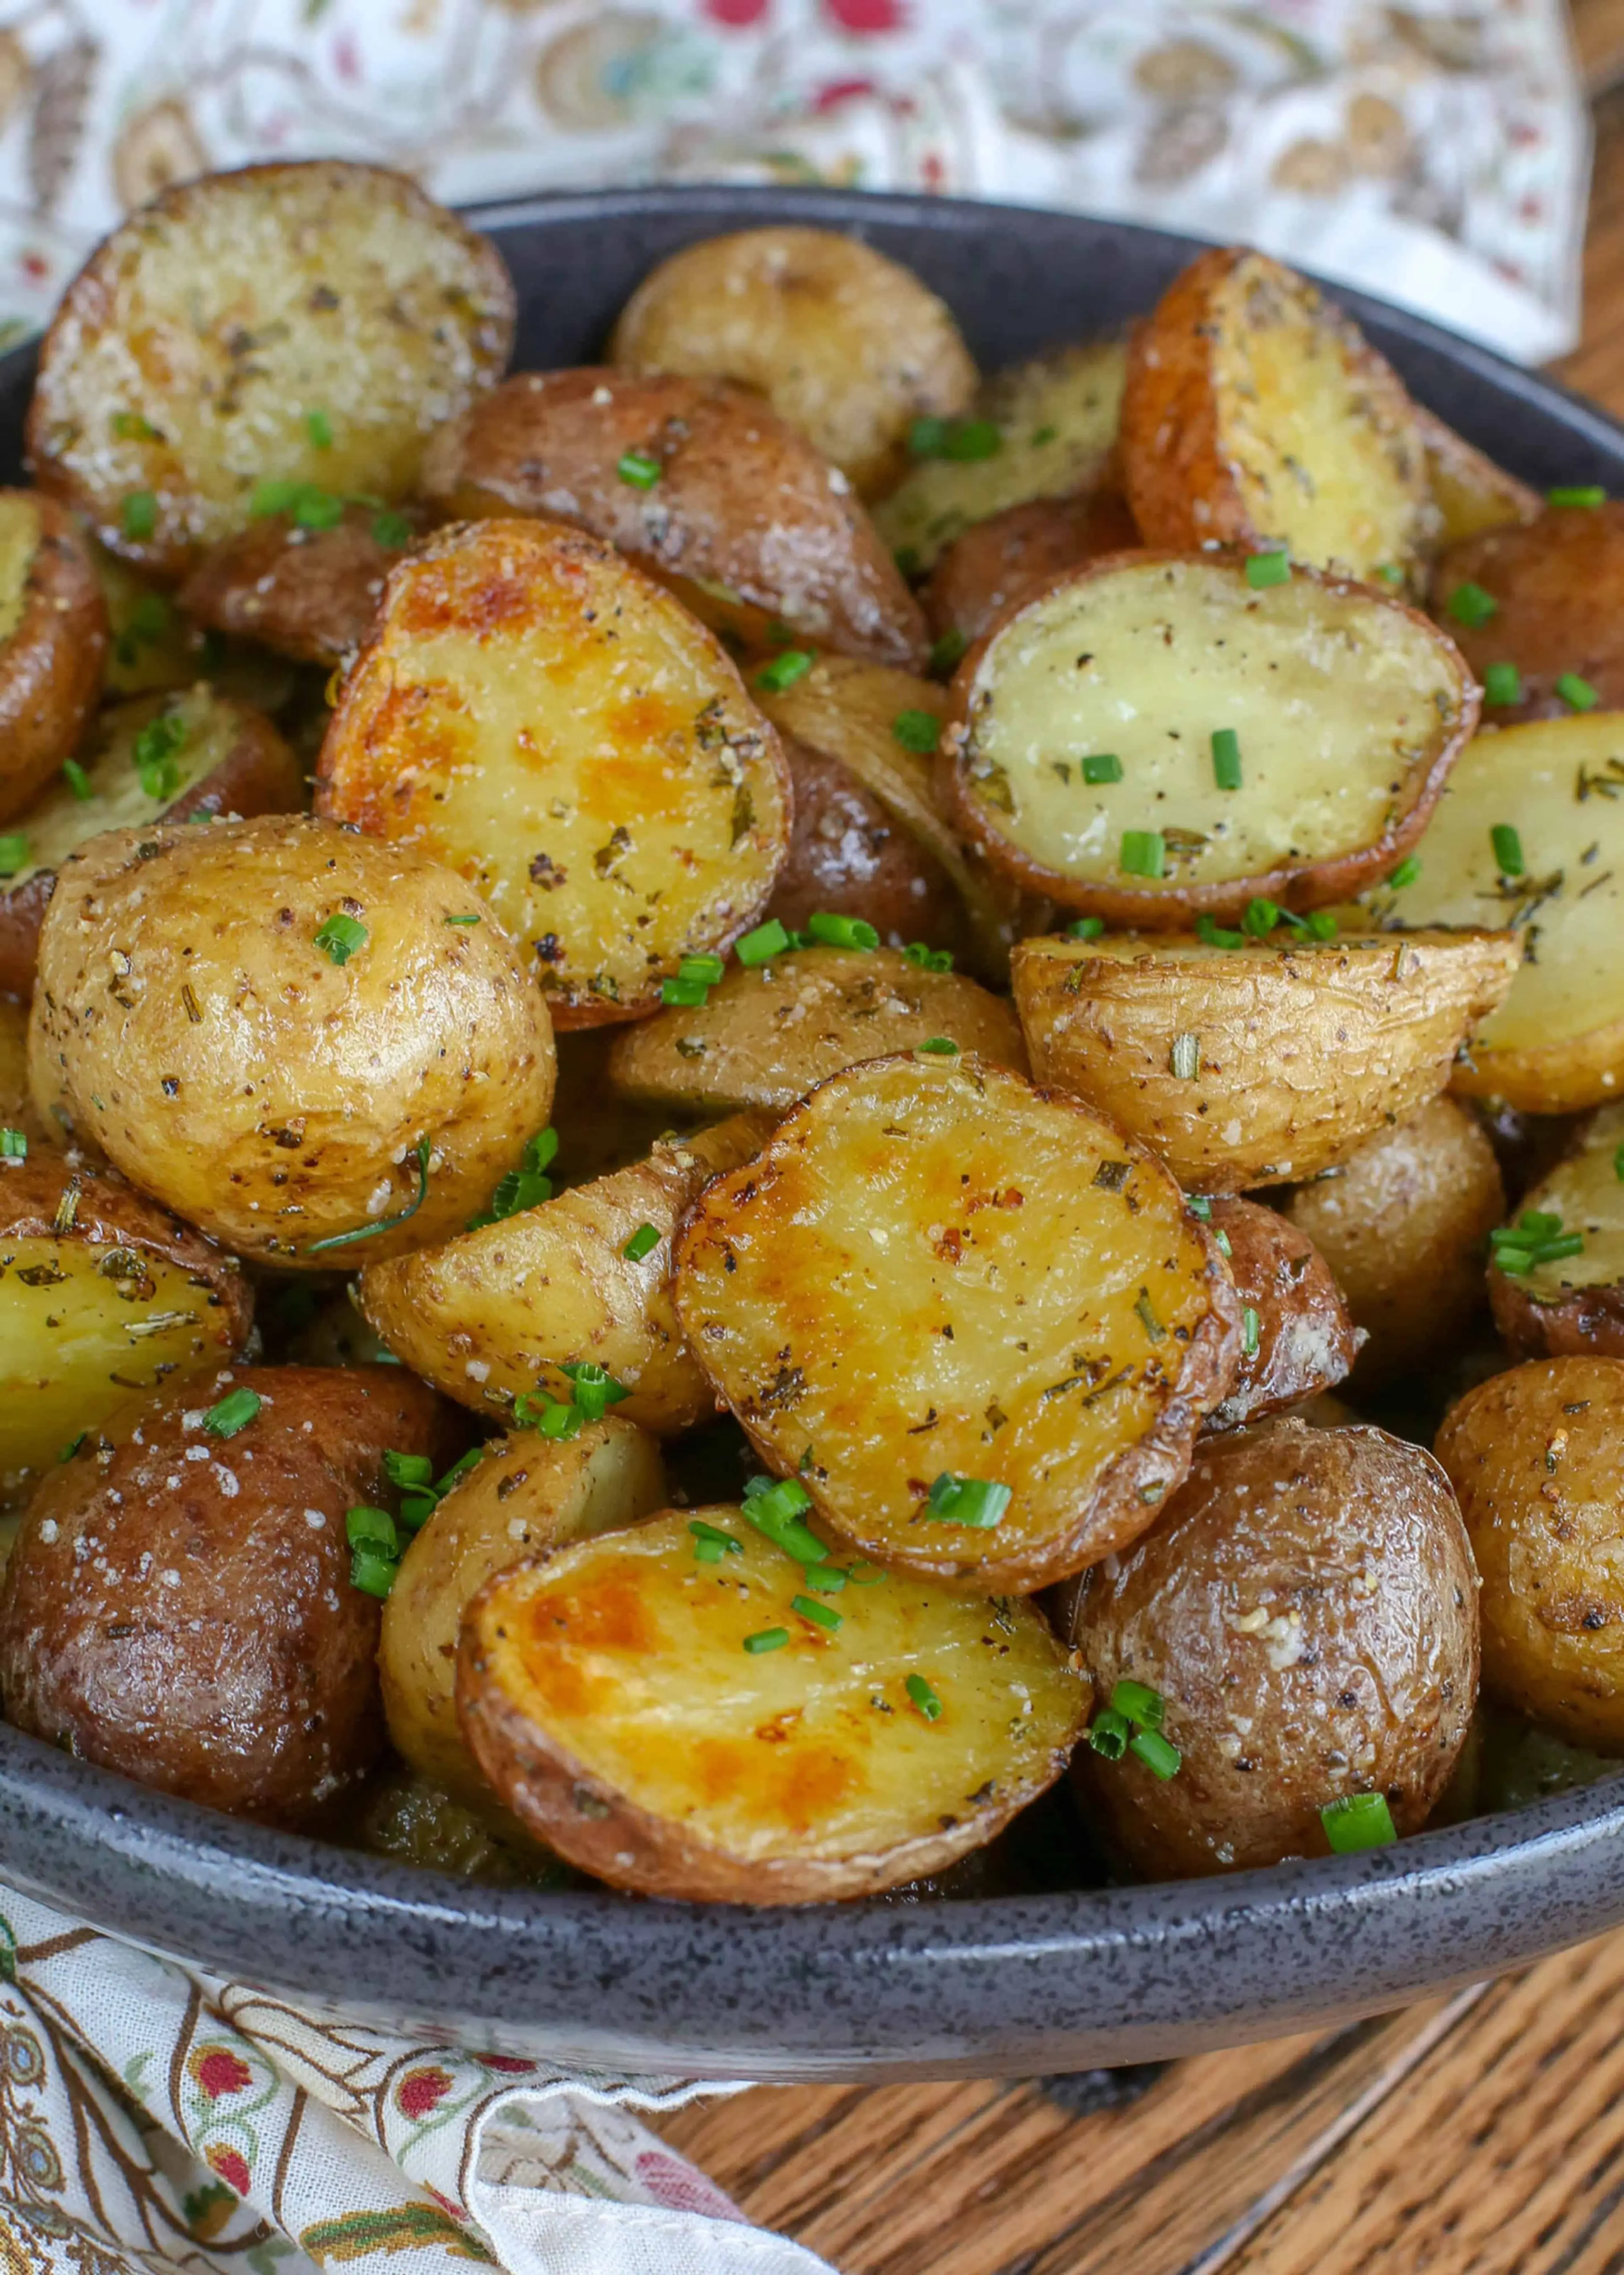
(103, 1294)
(53, 636)
(611, 1695)
(1469, 492)
(499, 1311)
(1574, 1304)
(1055, 420)
(537, 714)
(1260, 1065)
(311, 594)
(771, 1032)
(1256, 413)
(1556, 586)
(525, 1495)
(997, 564)
(934, 1271)
(702, 485)
(307, 324)
(1083, 756)
(201, 752)
(848, 346)
(1296, 1337)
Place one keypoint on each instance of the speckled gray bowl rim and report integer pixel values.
(1008, 1985)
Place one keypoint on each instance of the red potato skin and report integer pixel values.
(999, 563)
(310, 593)
(1587, 1322)
(1560, 584)
(848, 856)
(1306, 1340)
(52, 663)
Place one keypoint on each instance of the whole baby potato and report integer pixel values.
(1306, 1606)
(290, 1034)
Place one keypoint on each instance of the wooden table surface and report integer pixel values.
(1483, 2134)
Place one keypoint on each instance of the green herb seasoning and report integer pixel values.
(13, 852)
(767, 941)
(1108, 1734)
(1577, 693)
(680, 995)
(462, 921)
(72, 1447)
(1359, 1821)
(638, 468)
(154, 754)
(1198, 1205)
(338, 937)
(774, 1508)
(384, 1223)
(373, 1573)
(1085, 928)
(1226, 758)
(1159, 1755)
(918, 730)
(1271, 568)
(138, 515)
(319, 427)
(961, 439)
(924, 1698)
(1260, 917)
(975, 1502)
(642, 1243)
(1584, 494)
(794, 663)
(767, 1639)
(371, 1528)
(938, 1047)
(1390, 573)
(947, 653)
(831, 931)
(1537, 1237)
(1470, 605)
(927, 959)
(1102, 766)
(1250, 1331)
(725, 1542)
(821, 1615)
(233, 1412)
(1217, 935)
(595, 1389)
(13, 1145)
(392, 530)
(78, 781)
(1502, 683)
(1138, 1703)
(1406, 873)
(1507, 850)
(1145, 853)
(1618, 1165)
(525, 1187)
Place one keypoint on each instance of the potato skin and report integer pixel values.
(270, 1097)
(310, 593)
(213, 1645)
(849, 855)
(745, 522)
(1306, 1342)
(50, 666)
(998, 563)
(1559, 582)
(1576, 1305)
(1306, 1606)
(1536, 1457)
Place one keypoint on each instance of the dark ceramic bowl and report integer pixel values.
(1014, 1984)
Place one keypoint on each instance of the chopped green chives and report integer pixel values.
(927, 959)
(371, 1528)
(339, 937)
(425, 1152)
(1470, 605)
(13, 1145)
(707, 969)
(1085, 928)
(1184, 1058)
(1406, 873)
(137, 516)
(726, 1544)
(408, 1468)
(767, 1639)
(937, 1046)
(1198, 1205)
(1389, 572)
(977, 1501)
(78, 780)
(947, 651)
(1145, 853)
(707, 1551)
(1582, 494)
(1217, 935)
(14, 853)
(775, 1507)
(392, 530)
(918, 730)
(924, 1698)
(681, 995)
(1226, 758)
(1249, 1329)
(1537, 1237)
(638, 468)
(954, 438)
(153, 754)
(1271, 568)
(1358, 1820)
(832, 931)
(1618, 1165)
(1502, 683)
(1102, 766)
(524, 1188)
(642, 1243)
(1107, 1734)
(373, 1573)
(1159, 1755)
(822, 1615)
(767, 941)
(1320, 925)
(925, 437)
(556, 1419)
(461, 920)
(318, 426)
(1507, 850)
(233, 1412)
(594, 1388)
(1577, 693)
(785, 668)
(1139, 1704)
(72, 1447)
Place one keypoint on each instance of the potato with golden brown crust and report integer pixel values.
(1151, 738)
(770, 1032)
(1571, 1303)
(1402, 1221)
(53, 636)
(704, 486)
(1554, 587)
(155, 758)
(1296, 1337)
(541, 717)
(296, 1038)
(311, 594)
(297, 328)
(1305, 1607)
(682, 1727)
(848, 346)
(939, 1289)
(1256, 413)
(525, 1495)
(1536, 1457)
(501, 1311)
(178, 1607)
(1469, 492)
(1262, 1064)
(103, 1294)
(997, 564)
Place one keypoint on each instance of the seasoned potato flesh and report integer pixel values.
(20, 542)
(933, 1267)
(1346, 708)
(538, 716)
(188, 362)
(609, 1695)
(1587, 1193)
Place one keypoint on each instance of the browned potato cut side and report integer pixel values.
(499, 1311)
(1296, 1337)
(287, 1099)
(1081, 756)
(201, 752)
(1469, 492)
(1573, 1304)
(848, 346)
(540, 717)
(1402, 1221)
(1557, 584)
(770, 1032)
(311, 594)
(610, 1694)
(998, 563)
(1262, 1065)
(933, 1269)
(1255, 413)
(309, 323)
(53, 636)
(525, 1496)
(1306, 1607)
(755, 532)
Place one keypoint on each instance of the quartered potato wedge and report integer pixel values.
(1153, 737)
(680, 1727)
(934, 1272)
(1469, 492)
(1260, 1065)
(1543, 595)
(1572, 1302)
(535, 713)
(53, 637)
(1297, 1340)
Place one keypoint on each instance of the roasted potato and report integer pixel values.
(537, 714)
(1041, 429)
(311, 594)
(300, 1325)
(935, 1278)
(771, 1032)
(1536, 1456)
(1306, 1606)
(17, 1107)
(1402, 1221)
(1296, 1337)
(621, 1698)
(502, 1310)
(101, 1295)
(1573, 1304)
(848, 346)
(851, 856)
(53, 636)
(997, 564)
(155, 758)
(1554, 587)
(527, 1495)
(179, 1606)
(1261, 1065)
(1256, 413)
(1469, 492)
(287, 1034)
(297, 327)
(1086, 754)
(703, 487)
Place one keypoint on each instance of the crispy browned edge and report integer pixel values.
(1261, 1239)
(258, 774)
(1114, 1515)
(52, 673)
(597, 1828)
(1314, 886)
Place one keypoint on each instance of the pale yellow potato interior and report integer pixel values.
(1340, 701)
(1587, 1192)
(20, 542)
(629, 1656)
